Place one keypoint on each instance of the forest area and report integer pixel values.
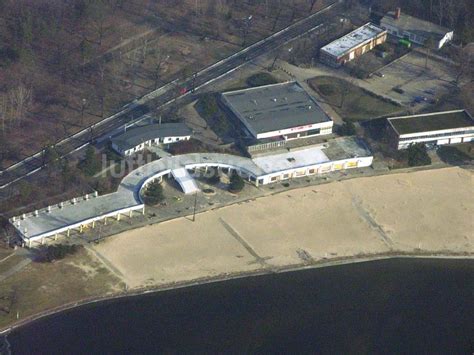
(66, 64)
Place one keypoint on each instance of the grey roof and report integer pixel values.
(352, 40)
(436, 121)
(275, 107)
(138, 135)
(415, 25)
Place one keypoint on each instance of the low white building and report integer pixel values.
(335, 155)
(138, 138)
(414, 29)
(448, 127)
(284, 111)
(352, 45)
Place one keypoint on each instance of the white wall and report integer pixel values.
(359, 162)
(166, 140)
(326, 128)
(438, 140)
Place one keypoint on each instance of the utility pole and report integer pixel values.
(83, 107)
(194, 83)
(247, 24)
(195, 204)
(278, 56)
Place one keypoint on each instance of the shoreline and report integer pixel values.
(330, 262)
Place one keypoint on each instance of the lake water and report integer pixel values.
(423, 306)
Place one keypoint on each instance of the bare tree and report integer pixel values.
(3, 112)
(20, 99)
(99, 15)
(465, 66)
(159, 60)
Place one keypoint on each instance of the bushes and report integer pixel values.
(153, 194)
(90, 165)
(347, 129)
(214, 179)
(236, 183)
(417, 155)
(261, 79)
(208, 108)
(207, 105)
(51, 253)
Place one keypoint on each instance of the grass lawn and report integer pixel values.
(42, 286)
(457, 154)
(350, 101)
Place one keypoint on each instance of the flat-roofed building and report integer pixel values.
(283, 110)
(414, 29)
(448, 127)
(352, 45)
(337, 154)
(138, 138)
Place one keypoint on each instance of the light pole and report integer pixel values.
(195, 203)
(247, 23)
(278, 56)
(83, 107)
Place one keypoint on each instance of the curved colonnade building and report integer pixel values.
(86, 211)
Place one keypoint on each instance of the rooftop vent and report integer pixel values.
(398, 12)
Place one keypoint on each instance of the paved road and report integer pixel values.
(168, 94)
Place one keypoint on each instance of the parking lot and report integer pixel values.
(421, 82)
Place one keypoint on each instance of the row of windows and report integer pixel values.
(435, 136)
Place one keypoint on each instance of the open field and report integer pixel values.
(350, 101)
(406, 213)
(41, 286)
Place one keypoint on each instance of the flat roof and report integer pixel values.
(71, 214)
(436, 121)
(346, 148)
(352, 40)
(275, 107)
(137, 135)
(334, 150)
(415, 25)
(291, 160)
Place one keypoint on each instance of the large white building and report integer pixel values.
(448, 127)
(414, 29)
(138, 138)
(284, 111)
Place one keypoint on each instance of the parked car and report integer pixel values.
(418, 99)
(379, 74)
(429, 92)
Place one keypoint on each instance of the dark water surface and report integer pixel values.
(394, 306)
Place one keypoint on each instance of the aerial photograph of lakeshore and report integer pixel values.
(237, 177)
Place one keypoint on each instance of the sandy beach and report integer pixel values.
(425, 211)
